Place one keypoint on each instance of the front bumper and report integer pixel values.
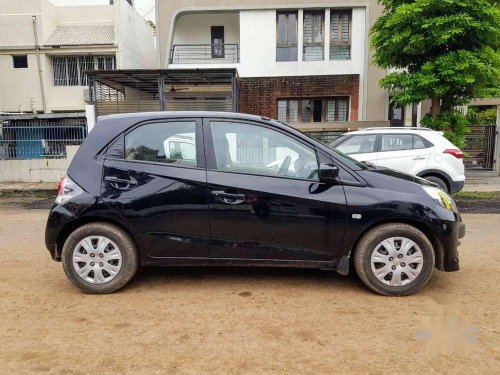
(450, 242)
(456, 186)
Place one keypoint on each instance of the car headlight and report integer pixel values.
(442, 198)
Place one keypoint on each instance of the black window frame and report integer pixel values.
(16, 60)
(210, 157)
(116, 148)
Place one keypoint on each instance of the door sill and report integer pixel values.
(238, 262)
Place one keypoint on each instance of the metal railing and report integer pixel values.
(205, 54)
(40, 139)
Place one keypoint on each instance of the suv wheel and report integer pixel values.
(437, 180)
(394, 259)
(99, 258)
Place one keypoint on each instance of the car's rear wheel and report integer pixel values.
(99, 258)
(394, 259)
(437, 180)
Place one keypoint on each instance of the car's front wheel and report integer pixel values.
(99, 258)
(394, 259)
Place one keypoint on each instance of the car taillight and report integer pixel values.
(67, 190)
(455, 152)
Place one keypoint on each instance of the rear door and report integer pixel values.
(265, 198)
(154, 177)
(361, 147)
(403, 152)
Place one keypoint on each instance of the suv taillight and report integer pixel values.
(67, 190)
(455, 152)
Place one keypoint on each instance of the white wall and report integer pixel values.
(258, 48)
(196, 28)
(136, 44)
(257, 38)
(37, 170)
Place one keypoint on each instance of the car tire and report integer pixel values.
(412, 276)
(102, 269)
(438, 180)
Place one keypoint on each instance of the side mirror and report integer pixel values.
(328, 173)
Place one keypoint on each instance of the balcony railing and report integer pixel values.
(205, 54)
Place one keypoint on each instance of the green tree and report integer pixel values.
(445, 50)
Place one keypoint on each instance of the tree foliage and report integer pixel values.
(446, 50)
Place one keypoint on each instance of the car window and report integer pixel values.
(358, 144)
(418, 142)
(399, 142)
(170, 142)
(254, 149)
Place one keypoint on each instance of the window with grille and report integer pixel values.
(286, 36)
(340, 35)
(72, 70)
(288, 111)
(294, 111)
(313, 35)
(20, 61)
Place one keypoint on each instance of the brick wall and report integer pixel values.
(259, 96)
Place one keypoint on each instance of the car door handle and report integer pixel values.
(229, 198)
(419, 158)
(121, 183)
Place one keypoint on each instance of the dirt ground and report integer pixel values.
(244, 321)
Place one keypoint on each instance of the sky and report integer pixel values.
(144, 7)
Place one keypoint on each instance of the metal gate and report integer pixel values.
(480, 147)
(40, 139)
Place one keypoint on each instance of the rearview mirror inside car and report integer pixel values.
(328, 172)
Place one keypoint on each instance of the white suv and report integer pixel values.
(418, 151)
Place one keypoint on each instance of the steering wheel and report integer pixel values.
(284, 167)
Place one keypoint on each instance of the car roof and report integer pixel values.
(137, 117)
(393, 129)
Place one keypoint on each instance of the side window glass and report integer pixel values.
(169, 142)
(253, 149)
(358, 144)
(418, 142)
(397, 142)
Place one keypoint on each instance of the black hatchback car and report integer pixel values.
(205, 188)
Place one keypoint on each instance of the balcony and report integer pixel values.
(205, 54)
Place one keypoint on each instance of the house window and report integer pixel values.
(20, 61)
(72, 70)
(340, 35)
(313, 35)
(286, 36)
(288, 111)
(293, 111)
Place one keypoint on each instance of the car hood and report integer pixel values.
(389, 179)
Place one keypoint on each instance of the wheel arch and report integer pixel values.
(436, 245)
(437, 173)
(75, 224)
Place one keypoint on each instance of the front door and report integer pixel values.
(217, 36)
(265, 198)
(154, 177)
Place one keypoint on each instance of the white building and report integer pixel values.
(306, 63)
(46, 49)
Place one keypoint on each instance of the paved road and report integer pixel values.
(244, 321)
